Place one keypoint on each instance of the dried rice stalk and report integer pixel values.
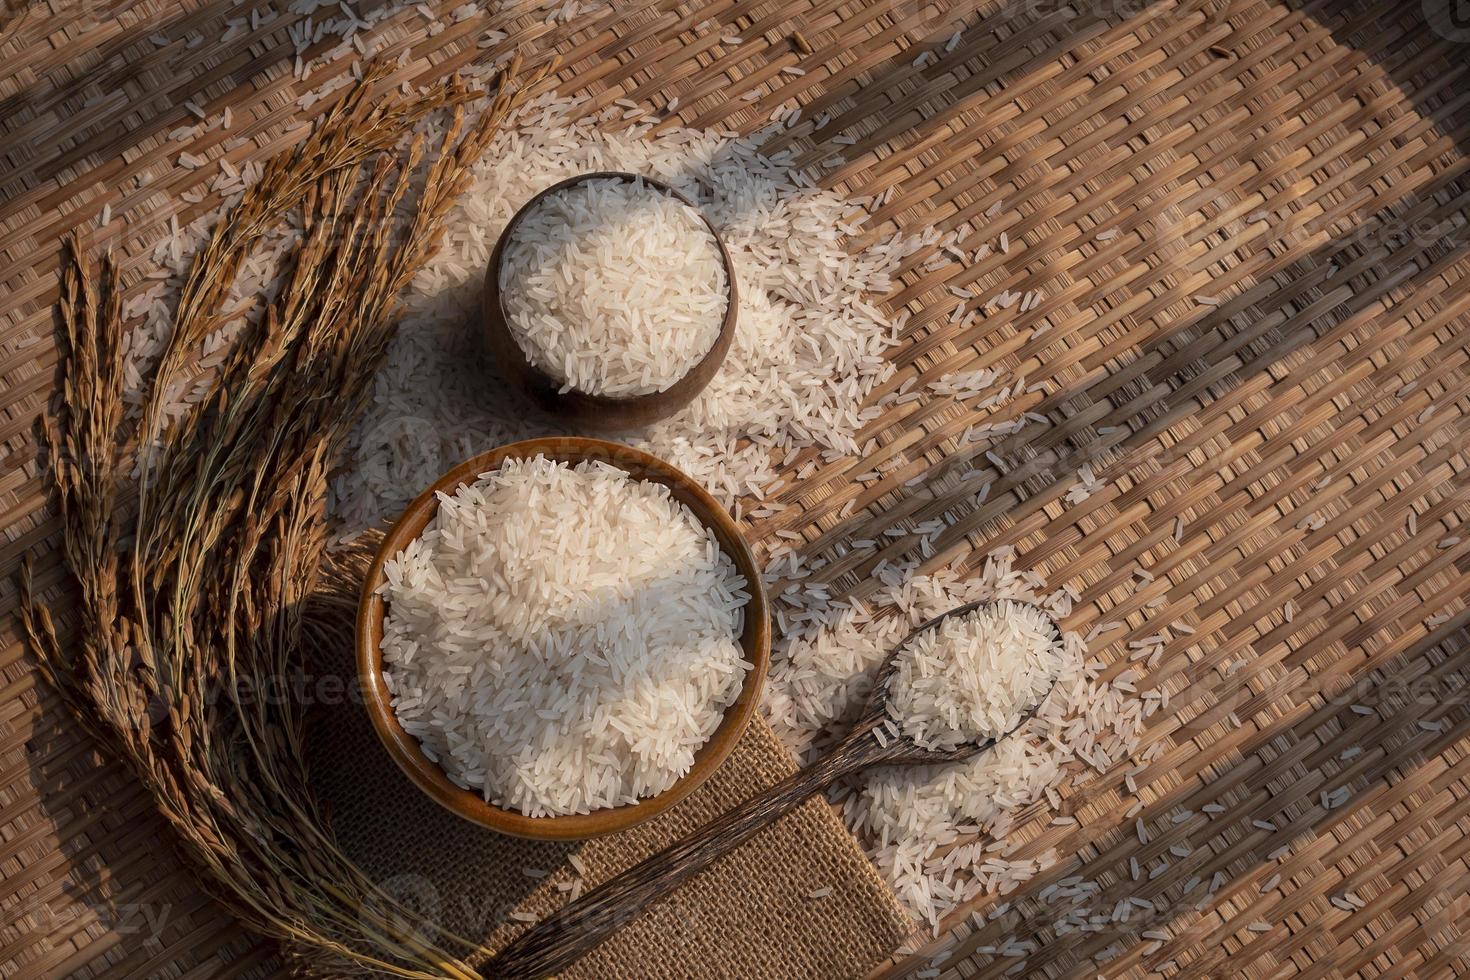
(197, 599)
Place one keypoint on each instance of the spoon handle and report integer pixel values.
(566, 935)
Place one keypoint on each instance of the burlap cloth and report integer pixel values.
(750, 915)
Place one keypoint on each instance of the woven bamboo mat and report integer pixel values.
(1246, 221)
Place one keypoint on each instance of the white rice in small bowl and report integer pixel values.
(613, 287)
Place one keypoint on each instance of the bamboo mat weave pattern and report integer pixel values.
(1240, 231)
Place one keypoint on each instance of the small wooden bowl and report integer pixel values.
(603, 413)
(428, 776)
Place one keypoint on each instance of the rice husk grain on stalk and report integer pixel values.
(195, 595)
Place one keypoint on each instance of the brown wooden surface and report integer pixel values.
(1170, 125)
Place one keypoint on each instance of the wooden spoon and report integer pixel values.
(567, 934)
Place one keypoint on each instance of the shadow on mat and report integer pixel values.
(114, 870)
(1320, 282)
(460, 876)
(1286, 777)
(117, 66)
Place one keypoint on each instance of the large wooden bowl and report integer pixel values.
(602, 413)
(428, 776)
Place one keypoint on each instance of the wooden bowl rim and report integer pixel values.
(610, 411)
(404, 748)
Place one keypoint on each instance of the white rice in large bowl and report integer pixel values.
(613, 287)
(563, 638)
